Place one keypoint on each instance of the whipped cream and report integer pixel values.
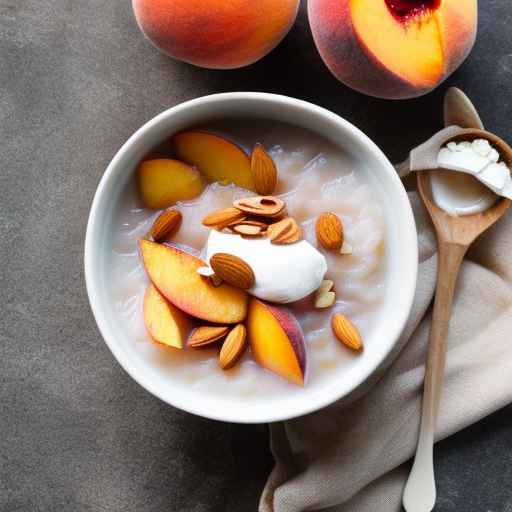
(284, 273)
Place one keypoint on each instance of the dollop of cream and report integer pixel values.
(284, 273)
(481, 160)
(480, 179)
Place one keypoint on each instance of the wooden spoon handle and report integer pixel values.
(420, 491)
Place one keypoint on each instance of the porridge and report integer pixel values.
(309, 268)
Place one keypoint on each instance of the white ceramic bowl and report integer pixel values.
(401, 252)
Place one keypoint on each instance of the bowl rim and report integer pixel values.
(91, 248)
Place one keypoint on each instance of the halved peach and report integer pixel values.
(276, 341)
(164, 181)
(217, 158)
(174, 273)
(165, 322)
(393, 48)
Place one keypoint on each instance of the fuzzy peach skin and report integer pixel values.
(367, 47)
(222, 34)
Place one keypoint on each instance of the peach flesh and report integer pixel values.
(277, 342)
(174, 274)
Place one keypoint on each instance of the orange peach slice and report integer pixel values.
(174, 273)
(165, 322)
(217, 158)
(164, 181)
(393, 48)
(276, 341)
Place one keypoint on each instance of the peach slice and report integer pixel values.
(216, 157)
(393, 48)
(276, 341)
(174, 274)
(164, 181)
(165, 322)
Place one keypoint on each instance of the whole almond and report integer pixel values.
(232, 269)
(329, 231)
(220, 219)
(206, 335)
(346, 332)
(233, 347)
(286, 231)
(263, 206)
(264, 171)
(165, 225)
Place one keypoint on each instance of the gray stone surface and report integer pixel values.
(76, 434)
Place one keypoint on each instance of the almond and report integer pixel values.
(262, 206)
(209, 273)
(329, 231)
(206, 335)
(165, 225)
(324, 297)
(232, 269)
(346, 248)
(233, 347)
(346, 332)
(222, 218)
(263, 170)
(251, 230)
(286, 231)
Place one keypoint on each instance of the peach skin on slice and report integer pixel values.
(165, 322)
(216, 157)
(164, 181)
(174, 274)
(276, 341)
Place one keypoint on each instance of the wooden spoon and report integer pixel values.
(454, 236)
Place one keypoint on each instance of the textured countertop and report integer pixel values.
(76, 433)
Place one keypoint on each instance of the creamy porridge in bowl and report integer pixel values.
(251, 265)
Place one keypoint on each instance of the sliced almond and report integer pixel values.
(205, 271)
(165, 225)
(233, 347)
(324, 299)
(245, 229)
(206, 335)
(324, 296)
(329, 231)
(263, 170)
(346, 332)
(263, 206)
(326, 285)
(232, 269)
(286, 231)
(346, 248)
(220, 219)
(210, 274)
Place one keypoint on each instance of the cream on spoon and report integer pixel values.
(479, 179)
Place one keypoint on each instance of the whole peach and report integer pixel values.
(219, 34)
(393, 48)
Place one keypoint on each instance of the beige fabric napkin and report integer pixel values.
(353, 457)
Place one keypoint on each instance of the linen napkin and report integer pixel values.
(352, 458)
